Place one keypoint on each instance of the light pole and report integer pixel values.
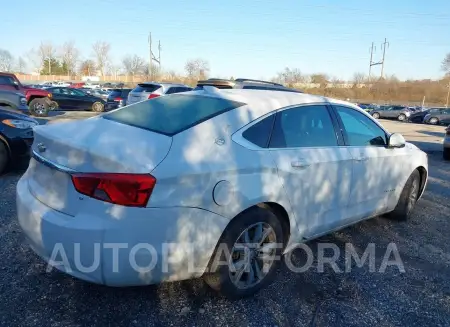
(448, 94)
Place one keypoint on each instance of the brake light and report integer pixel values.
(132, 190)
(153, 95)
(117, 99)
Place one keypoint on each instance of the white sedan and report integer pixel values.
(212, 183)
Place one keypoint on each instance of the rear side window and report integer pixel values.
(259, 133)
(146, 88)
(115, 93)
(172, 114)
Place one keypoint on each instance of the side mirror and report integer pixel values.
(396, 140)
(16, 85)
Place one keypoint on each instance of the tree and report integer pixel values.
(46, 53)
(319, 79)
(6, 60)
(69, 56)
(21, 65)
(54, 67)
(133, 64)
(358, 79)
(290, 77)
(446, 64)
(87, 67)
(34, 60)
(101, 54)
(197, 68)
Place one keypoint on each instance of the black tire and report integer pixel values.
(433, 121)
(39, 107)
(98, 107)
(218, 276)
(408, 198)
(4, 157)
(446, 154)
(401, 117)
(376, 115)
(53, 105)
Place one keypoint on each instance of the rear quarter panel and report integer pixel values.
(205, 155)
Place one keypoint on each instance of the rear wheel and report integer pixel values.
(408, 198)
(39, 107)
(446, 154)
(401, 117)
(376, 115)
(4, 157)
(245, 259)
(433, 121)
(98, 107)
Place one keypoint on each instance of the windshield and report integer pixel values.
(172, 114)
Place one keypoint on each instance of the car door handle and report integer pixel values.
(299, 164)
(361, 159)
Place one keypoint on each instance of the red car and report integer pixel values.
(38, 100)
(77, 85)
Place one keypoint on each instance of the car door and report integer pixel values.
(444, 116)
(80, 100)
(313, 166)
(377, 170)
(60, 98)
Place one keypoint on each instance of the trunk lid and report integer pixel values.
(142, 92)
(90, 145)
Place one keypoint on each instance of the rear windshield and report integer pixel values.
(172, 114)
(219, 86)
(146, 88)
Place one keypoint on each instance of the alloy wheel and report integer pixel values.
(252, 255)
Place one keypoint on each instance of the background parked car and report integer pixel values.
(74, 99)
(398, 112)
(446, 143)
(117, 98)
(13, 100)
(418, 116)
(16, 136)
(438, 116)
(150, 90)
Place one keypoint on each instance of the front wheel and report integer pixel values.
(376, 115)
(408, 198)
(247, 255)
(98, 107)
(39, 107)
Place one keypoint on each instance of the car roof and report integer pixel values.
(164, 84)
(261, 102)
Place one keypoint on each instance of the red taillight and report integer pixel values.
(153, 95)
(132, 190)
(117, 99)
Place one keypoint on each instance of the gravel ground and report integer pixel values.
(421, 296)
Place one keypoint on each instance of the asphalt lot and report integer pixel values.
(421, 296)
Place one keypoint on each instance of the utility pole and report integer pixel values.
(386, 43)
(372, 48)
(150, 69)
(159, 54)
(448, 95)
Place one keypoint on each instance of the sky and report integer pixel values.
(251, 38)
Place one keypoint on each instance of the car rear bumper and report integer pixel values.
(169, 244)
(447, 142)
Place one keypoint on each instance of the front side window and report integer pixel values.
(360, 129)
(306, 126)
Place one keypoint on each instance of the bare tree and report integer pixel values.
(446, 64)
(197, 68)
(21, 65)
(101, 53)
(290, 77)
(47, 53)
(133, 64)
(87, 67)
(34, 60)
(6, 60)
(358, 79)
(69, 56)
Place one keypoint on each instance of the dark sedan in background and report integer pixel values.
(16, 137)
(117, 98)
(74, 99)
(438, 116)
